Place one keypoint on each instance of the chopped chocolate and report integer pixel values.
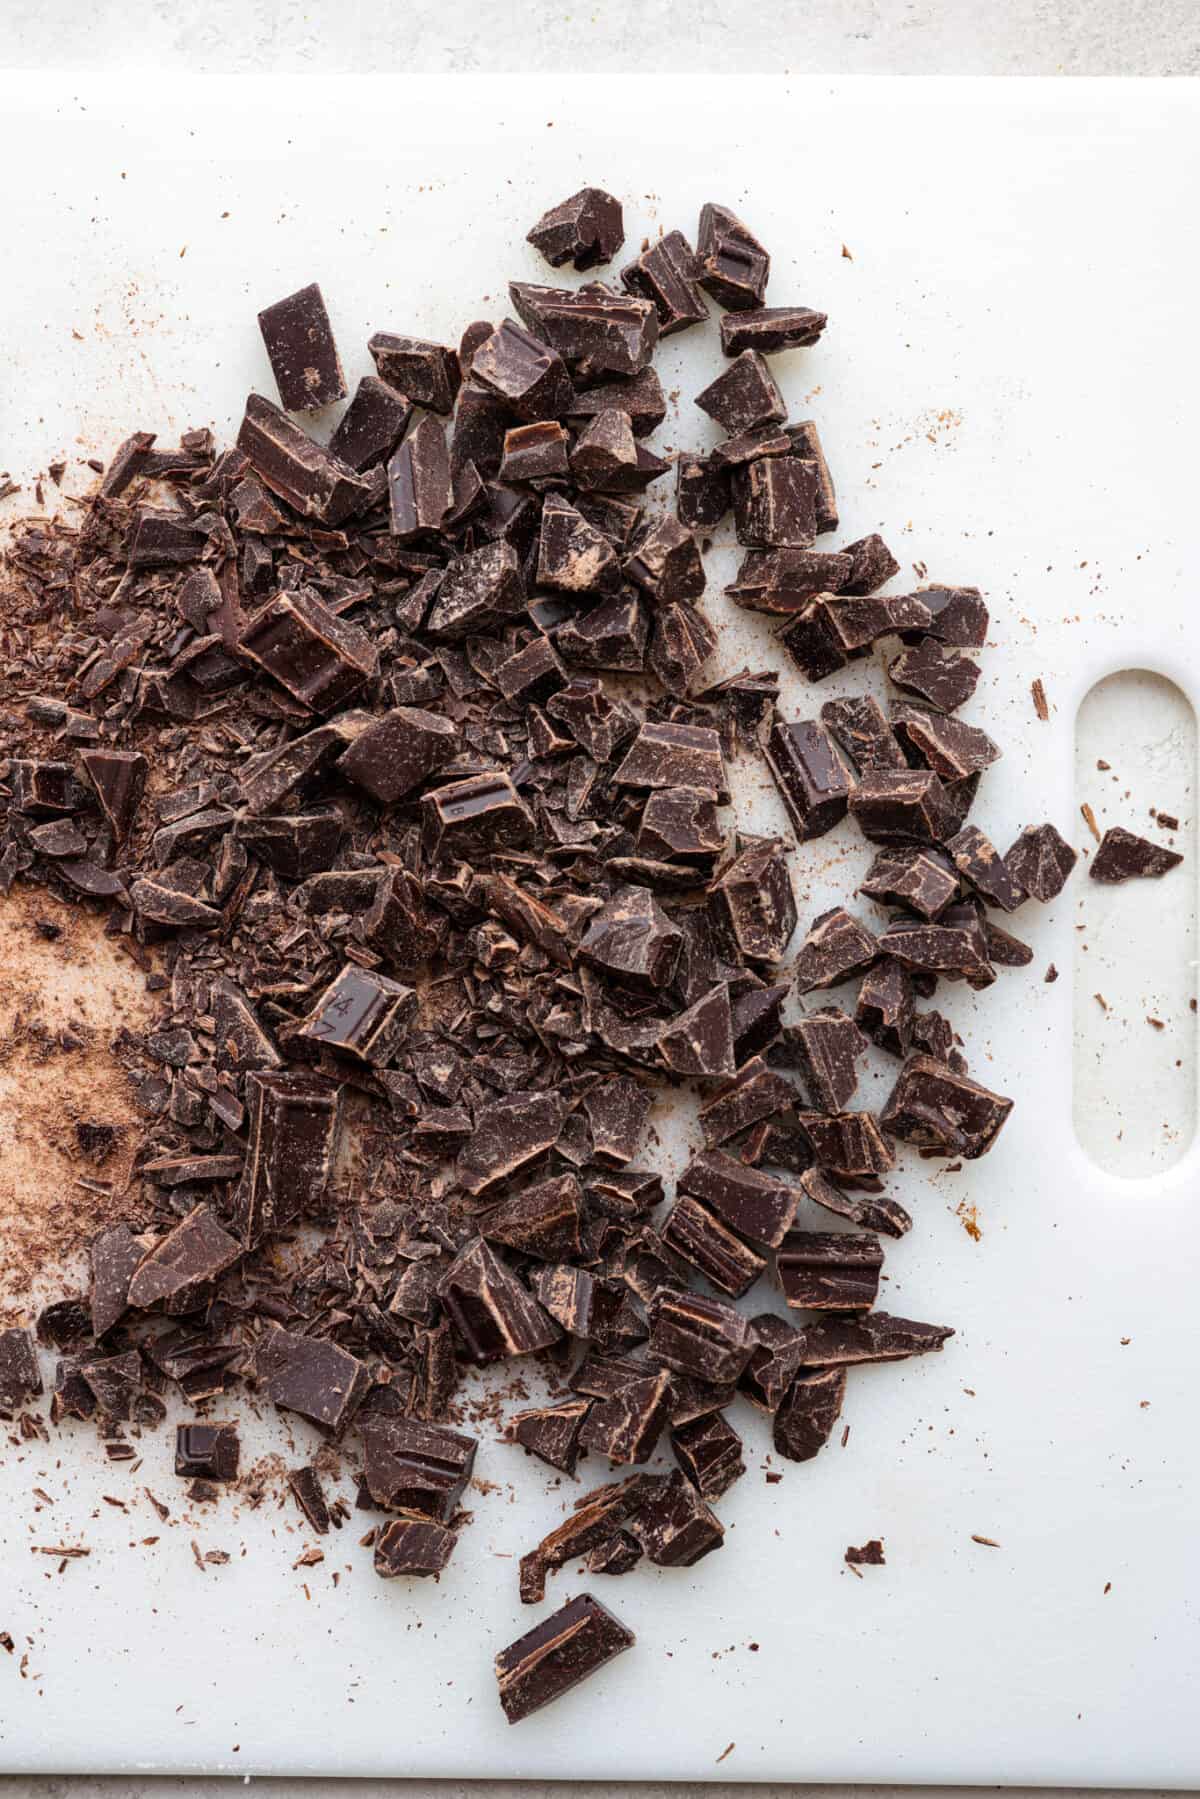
(1002, 948)
(620, 1555)
(397, 752)
(703, 494)
(890, 806)
(755, 1092)
(886, 1006)
(119, 777)
(868, 1337)
(942, 681)
(753, 903)
(412, 1546)
(317, 657)
(949, 746)
(744, 396)
(698, 1237)
(597, 331)
(680, 823)
(544, 1220)
(699, 1041)
(850, 1143)
(666, 275)
(709, 1451)
(1040, 862)
(310, 1497)
(670, 755)
(372, 425)
(632, 940)
(959, 616)
(870, 1211)
(626, 1426)
(362, 1015)
(207, 1451)
(733, 266)
(617, 1111)
(413, 1467)
(983, 869)
(954, 947)
(942, 1112)
(755, 1205)
(557, 1654)
(674, 1526)
(639, 397)
(294, 1122)
(20, 1376)
(596, 1517)
(665, 562)
(418, 482)
(806, 443)
(783, 581)
(307, 477)
(585, 230)
(871, 564)
(767, 329)
(303, 355)
(573, 556)
(313, 1377)
(552, 1432)
(476, 814)
(828, 1043)
(775, 501)
(812, 782)
(494, 1314)
(183, 1262)
(836, 948)
(115, 1253)
(425, 373)
(920, 880)
(808, 1412)
(827, 1272)
(706, 1338)
(478, 592)
(1124, 857)
(858, 725)
(681, 645)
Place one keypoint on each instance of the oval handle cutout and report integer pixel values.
(1134, 1053)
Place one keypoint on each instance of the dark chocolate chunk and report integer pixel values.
(20, 1376)
(301, 472)
(1002, 948)
(477, 593)
(481, 420)
(755, 1092)
(128, 464)
(372, 425)
(617, 1111)
(869, 1337)
(812, 782)
(598, 724)
(551, 1432)
(806, 441)
(709, 1451)
(669, 755)
(362, 1015)
(509, 1134)
(692, 1335)
(311, 1376)
(191, 1255)
(626, 1427)
(605, 456)
(536, 453)
(1125, 857)
(599, 331)
(1040, 861)
(699, 1041)
(943, 1112)
(753, 904)
(418, 482)
(620, 1555)
(674, 1526)
(886, 1005)
(733, 266)
(573, 557)
(115, 1253)
(920, 880)
(428, 374)
(808, 1412)
(297, 844)
(774, 1361)
(585, 230)
(304, 358)
(766, 329)
(870, 1211)
(294, 1121)
(680, 646)
(699, 1238)
(850, 1143)
(703, 494)
(941, 680)
(836, 948)
(207, 1451)
(983, 869)
(39, 787)
(756, 1205)
(828, 1043)
(959, 616)
(413, 1467)
(871, 564)
(775, 501)
(310, 1497)
(640, 397)
(632, 940)
(825, 1271)
(494, 1314)
(318, 658)
(666, 274)
(479, 813)
(559, 1652)
(412, 1546)
(544, 1220)
(744, 395)
(680, 823)
(861, 729)
(665, 562)
(954, 947)
(891, 806)
(596, 1517)
(783, 581)
(114, 1383)
(396, 752)
(532, 674)
(119, 777)
(949, 746)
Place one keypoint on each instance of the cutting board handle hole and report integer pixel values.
(1135, 945)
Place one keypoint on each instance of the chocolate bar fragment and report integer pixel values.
(605, 455)
(310, 1497)
(620, 1555)
(871, 564)
(783, 581)
(827, 1044)
(1125, 857)
(626, 1426)
(595, 1519)
(617, 1111)
(949, 746)
(755, 1092)
(639, 397)
(698, 1238)
(316, 1378)
(208, 1451)
(494, 1314)
(733, 266)
(859, 727)
(775, 501)
(743, 396)
(414, 1467)
(983, 869)
(670, 755)
(709, 1451)
(572, 1644)
(755, 1205)
(812, 782)
(703, 494)
(20, 1376)
(680, 824)
(959, 616)
(632, 939)
(536, 454)
(362, 1015)
(807, 1413)
(850, 1143)
(115, 1253)
(184, 1262)
(544, 1220)
(551, 1432)
(704, 1338)
(699, 1041)
(317, 657)
(836, 948)
(954, 947)
(480, 813)
(371, 426)
(768, 329)
(412, 1546)
(666, 275)
(753, 905)
(294, 1121)
(942, 681)
(826, 1272)
(425, 373)
(119, 778)
(1040, 861)
(418, 482)
(585, 230)
(307, 477)
(869, 1337)
(871, 1212)
(886, 1006)
(806, 443)
(942, 1112)
(920, 880)
(893, 807)
(396, 752)
(672, 1523)
(302, 352)
(573, 556)
(592, 328)
(665, 562)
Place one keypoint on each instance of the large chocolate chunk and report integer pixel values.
(1040, 861)
(837, 947)
(783, 581)
(551, 1432)
(806, 442)
(308, 477)
(632, 940)
(825, 1271)
(564, 1649)
(827, 1044)
(943, 681)
(665, 562)
(605, 456)
(428, 374)
(755, 1092)
(536, 454)
(709, 1451)
(920, 880)
(699, 1041)
(184, 1262)
(418, 482)
(886, 1006)
(509, 1134)
(414, 1467)
(871, 564)
(682, 643)
(208, 1451)
(626, 1427)
(573, 557)
(871, 1211)
(668, 755)
(600, 332)
(851, 1143)
(733, 266)
(775, 501)
(959, 616)
(397, 751)
(808, 1412)
(767, 329)
(596, 1518)
(585, 230)
(955, 947)
(699, 1238)
(617, 1111)
(477, 593)
(943, 1112)
(319, 658)
(412, 1546)
(303, 354)
(20, 1376)
(706, 1338)
(311, 1376)
(983, 869)
(949, 746)
(861, 729)
(518, 368)
(756, 1205)
(115, 1253)
(640, 398)
(753, 903)
(544, 1220)
(666, 275)
(362, 1015)
(673, 1524)
(870, 1337)
(680, 824)
(703, 494)
(743, 396)
(774, 1361)
(890, 806)
(480, 813)
(294, 1121)
(119, 777)
(371, 426)
(1124, 857)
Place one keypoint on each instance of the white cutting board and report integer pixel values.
(1008, 390)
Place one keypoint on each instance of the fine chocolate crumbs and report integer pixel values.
(1051, 975)
(1166, 821)
(870, 1555)
(988, 1542)
(1040, 703)
(398, 769)
(1089, 819)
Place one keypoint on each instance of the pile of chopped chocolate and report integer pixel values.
(395, 763)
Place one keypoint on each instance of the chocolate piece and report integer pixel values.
(710, 1453)
(693, 1233)
(20, 1376)
(871, 564)
(302, 473)
(585, 230)
(113, 1383)
(827, 1272)
(557, 1654)
(755, 1092)
(706, 1338)
(39, 787)
(477, 593)
(851, 1143)
(783, 581)
(398, 751)
(943, 681)
(599, 331)
(626, 1427)
(934, 1035)
(308, 1375)
(871, 1212)
(680, 823)
(666, 274)
(481, 419)
(509, 1134)
(1124, 857)
(620, 1555)
(595, 1519)
(191, 1255)
(573, 557)
(871, 1337)
(949, 746)
(418, 482)
(753, 904)
(414, 1467)
(119, 777)
(544, 1220)
(674, 1526)
(372, 425)
(955, 947)
(959, 616)
(294, 1122)
(1002, 948)
(270, 778)
(412, 1546)
(594, 720)
(533, 673)
(758, 1207)
(310, 1497)
(1040, 862)
(681, 645)
(806, 442)
(518, 368)
(744, 396)
(398, 924)
(669, 755)
(551, 1432)
(811, 780)
(480, 813)
(666, 562)
(428, 374)
(605, 456)
(128, 464)
(920, 880)
(894, 807)
(774, 1361)
(207, 1451)
(836, 948)
(861, 729)
(943, 1112)
(362, 1015)
(703, 494)
(303, 355)
(640, 398)
(775, 501)
(767, 329)
(699, 1041)
(536, 453)
(984, 870)
(733, 266)
(886, 1006)
(297, 844)
(317, 657)
(494, 1314)
(115, 1253)
(632, 939)
(808, 1412)
(617, 1111)
(827, 1044)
